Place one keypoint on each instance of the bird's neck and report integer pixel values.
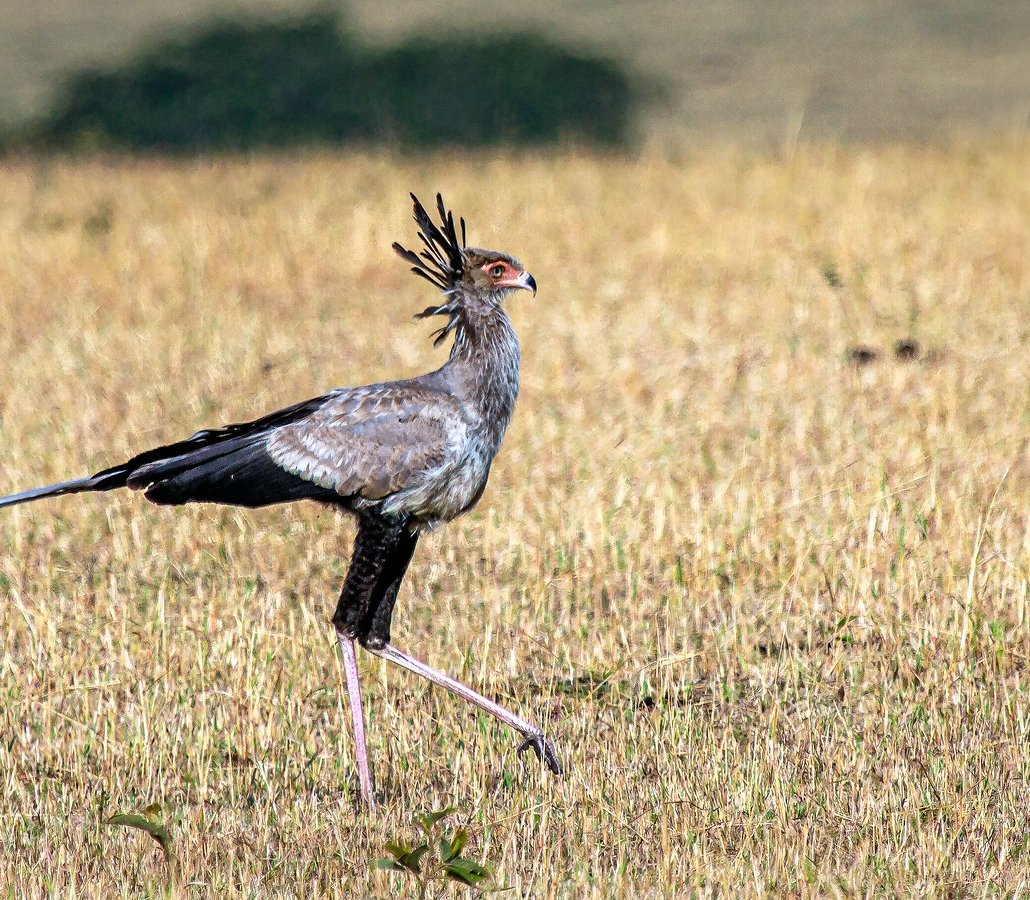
(485, 357)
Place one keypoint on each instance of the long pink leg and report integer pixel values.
(534, 736)
(357, 716)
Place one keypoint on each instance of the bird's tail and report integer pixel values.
(222, 465)
(109, 479)
(78, 486)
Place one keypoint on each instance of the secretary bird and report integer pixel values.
(400, 456)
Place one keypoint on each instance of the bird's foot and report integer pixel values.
(544, 751)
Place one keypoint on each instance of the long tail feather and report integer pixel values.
(78, 486)
(202, 451)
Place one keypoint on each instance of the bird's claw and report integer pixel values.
(544, 751)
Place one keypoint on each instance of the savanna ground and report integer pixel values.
(770, 602)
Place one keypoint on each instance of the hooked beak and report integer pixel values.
(525, 281)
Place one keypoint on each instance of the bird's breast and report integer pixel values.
(448, 490)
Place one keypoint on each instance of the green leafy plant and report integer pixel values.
(309, 81)
(151, 822)
(447, 864)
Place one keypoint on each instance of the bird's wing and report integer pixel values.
(212, 438)
(374, 441)
(220, 465)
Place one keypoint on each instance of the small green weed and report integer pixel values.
(445, 865)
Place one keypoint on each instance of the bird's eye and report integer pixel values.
(496, 271)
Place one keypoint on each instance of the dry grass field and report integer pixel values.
(770, 603)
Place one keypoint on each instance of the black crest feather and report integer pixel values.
(440, 263)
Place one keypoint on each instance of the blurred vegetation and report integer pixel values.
(242, 85)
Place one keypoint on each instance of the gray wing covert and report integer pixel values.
(372, 442)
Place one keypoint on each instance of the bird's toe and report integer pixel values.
(544, 751)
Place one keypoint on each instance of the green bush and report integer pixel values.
(236, 86)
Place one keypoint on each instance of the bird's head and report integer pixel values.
(493, 273)
(468, 276)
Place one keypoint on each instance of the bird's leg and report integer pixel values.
(357, 716)
(382, 550)
(397, 553)
(534, 736)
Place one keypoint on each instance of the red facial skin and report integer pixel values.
(503, 274)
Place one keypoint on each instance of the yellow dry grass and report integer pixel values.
(771, 606)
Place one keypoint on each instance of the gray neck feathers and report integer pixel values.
(486, 351)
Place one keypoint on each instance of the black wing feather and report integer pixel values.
(146, 467)
(245, 475)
